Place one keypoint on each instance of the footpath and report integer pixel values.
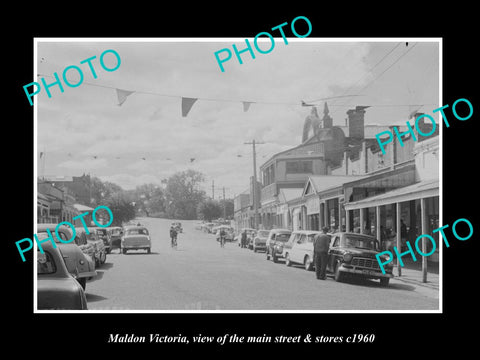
(412, 275)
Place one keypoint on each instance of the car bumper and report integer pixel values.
(367, 273)
(260, 246)
(144, 246)
(87, 274)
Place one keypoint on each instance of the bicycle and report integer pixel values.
(222, 241)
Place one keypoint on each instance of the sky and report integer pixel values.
(146, 139)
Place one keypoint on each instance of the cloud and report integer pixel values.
(82, 165)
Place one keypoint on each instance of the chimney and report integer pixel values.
(356, 122)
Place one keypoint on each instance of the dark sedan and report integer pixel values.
(354, 254)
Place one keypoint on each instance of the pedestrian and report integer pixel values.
(244, 238)
(321, 244)
(222, 237)
(173, 236)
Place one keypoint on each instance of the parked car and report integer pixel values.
(116, 236)
(355, 254)
(84, 245)
(79, 265)
(229, 234)
(100, 250)
(178, 226)
(136, 238)
(207, 227)
(104, 235)
(259, 242)
(275, 242)
(299, 248)
(56, 287)
(250, 235)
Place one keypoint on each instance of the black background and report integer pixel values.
(397, 334)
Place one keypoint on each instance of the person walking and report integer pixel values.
(321, 244)
(173, 236)
(244, 239)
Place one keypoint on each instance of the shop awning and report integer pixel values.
(83, 208)
(420, 190)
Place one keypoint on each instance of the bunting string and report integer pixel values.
(187, 102)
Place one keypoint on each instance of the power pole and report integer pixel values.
(224, 207)
(213, 189)
(254, 196)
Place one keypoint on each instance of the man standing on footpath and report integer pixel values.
(321, 244)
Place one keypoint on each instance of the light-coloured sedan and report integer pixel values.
(299, 248)
(136, 238)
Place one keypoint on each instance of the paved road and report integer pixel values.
(200, 275)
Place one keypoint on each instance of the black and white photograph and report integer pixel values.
(221, 182)
(225, 180)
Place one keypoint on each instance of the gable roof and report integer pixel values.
(318, 183)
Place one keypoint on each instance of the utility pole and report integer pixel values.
(254, 196)
(224, 207)
(213, 189)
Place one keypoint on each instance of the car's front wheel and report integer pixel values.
(338, 274)
(268, 255)
(308, 263)
(124, 251)
(275, 259)
(148, 251)
(384, 281)
(287, 260)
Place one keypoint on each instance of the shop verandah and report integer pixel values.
(398, 216)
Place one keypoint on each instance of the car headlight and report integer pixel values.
(347, 257)
(81, 261)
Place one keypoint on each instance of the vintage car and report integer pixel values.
(250, 235)
(299, 248)
(259, 242)
(275, 242)
(355, 254)
(83, 243)
(104, 235)
(229, 234)
(94, 238)
(207, 227)
(136, 238)
(56, 288)
(79, 265)
(116, 236)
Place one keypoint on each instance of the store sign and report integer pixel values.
(313, 205)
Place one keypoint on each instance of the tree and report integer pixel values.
(182, 194)
(150, 199)
(122, 209)
(209, 209)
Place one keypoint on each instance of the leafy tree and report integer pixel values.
(182, 194)
(209, 209)
(149, 198)
(122, 209)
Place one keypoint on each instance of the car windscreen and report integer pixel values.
(137, 232)
(90, 236)
(116, 232)
(359, 242)
(282, 237)
(262, 233)
(44, 235)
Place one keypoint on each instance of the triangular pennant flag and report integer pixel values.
(187, 104)
(122, 95)
(246, 105)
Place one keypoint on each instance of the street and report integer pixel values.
(200, 275)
